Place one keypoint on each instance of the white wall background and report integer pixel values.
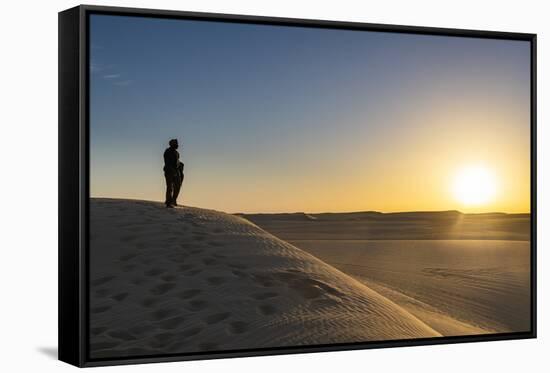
(28, 187)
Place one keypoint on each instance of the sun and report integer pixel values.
(474, 185)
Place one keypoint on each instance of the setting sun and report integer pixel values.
(474, 185)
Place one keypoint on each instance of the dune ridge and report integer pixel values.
(189, 280)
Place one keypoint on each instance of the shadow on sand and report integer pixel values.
(51, 352)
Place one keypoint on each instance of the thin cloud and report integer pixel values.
(123, 82)
(108, 72)
(94, 67)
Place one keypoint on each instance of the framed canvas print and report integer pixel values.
(239, 186)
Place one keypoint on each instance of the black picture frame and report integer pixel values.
(74, 186)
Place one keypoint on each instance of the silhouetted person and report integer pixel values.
(173, 173)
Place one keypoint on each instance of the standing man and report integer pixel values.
(172, 173)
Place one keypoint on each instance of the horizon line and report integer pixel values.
(330, 212)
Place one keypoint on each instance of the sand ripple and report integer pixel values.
(190, 279)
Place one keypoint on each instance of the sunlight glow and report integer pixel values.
(474, 185)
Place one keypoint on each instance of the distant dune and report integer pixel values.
(371, 225)
(188, 280)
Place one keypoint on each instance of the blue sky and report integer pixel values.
(288, 118)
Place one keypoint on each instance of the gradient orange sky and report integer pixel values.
(289, 119)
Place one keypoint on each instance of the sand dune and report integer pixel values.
(456, 286)
(189, 279)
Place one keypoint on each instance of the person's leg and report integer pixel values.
(177, 186)
(169, 190)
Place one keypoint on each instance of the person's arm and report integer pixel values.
(170, 159)
(180, 171)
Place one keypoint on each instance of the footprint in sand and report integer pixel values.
(127, 257)
(199, 236)
(188, 294)
(267, 284)
(185, 267)
(150, 302)
(119, 297)
(180, 258)
(264, 280)
(239, 274)
(216, 280)
(147, 261)
(265, 295)
(162, 288)
(128, 238)
(238, 327)
(164, 313)
(139, 280)
(171, 323)
(142, 328)
(197, 305)
(128, 267)
(135, 229)
(170, 240)
(168, 278)
(164, 337)
(210, 261)
(191, 331)
(153, 272)
(193, 272)
(216, 318)
(267, 309)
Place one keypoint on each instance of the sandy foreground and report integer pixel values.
(187, 279)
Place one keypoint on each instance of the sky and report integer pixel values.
(286, 119)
